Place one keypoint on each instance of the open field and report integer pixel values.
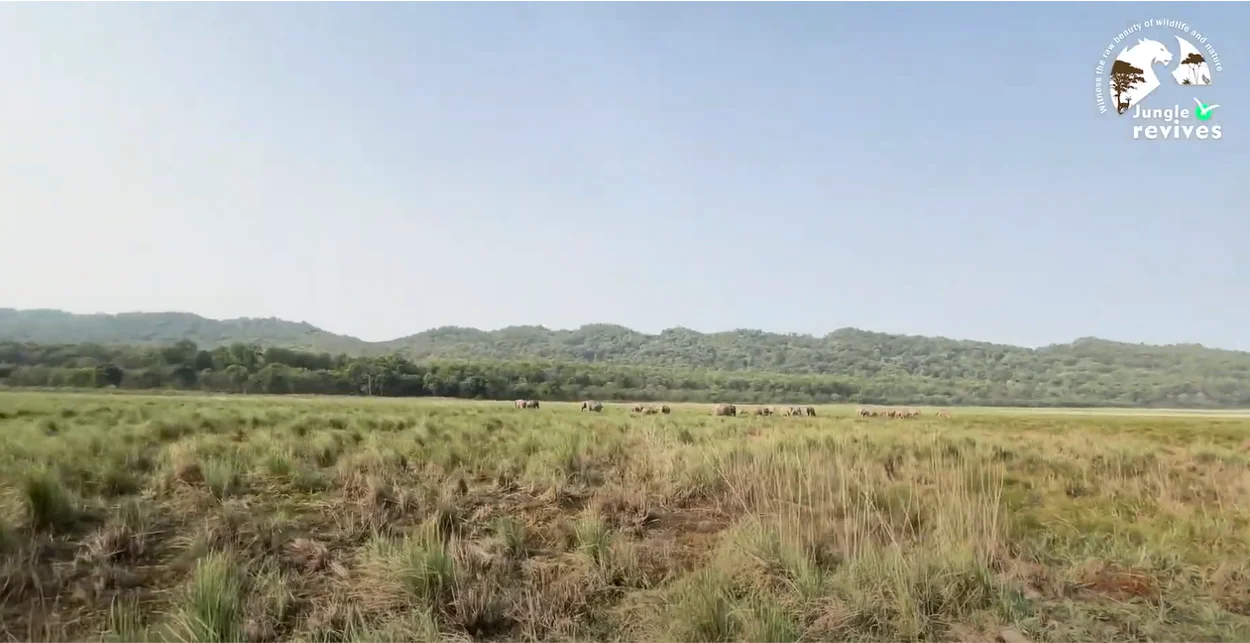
(130, 517)
(824, 409)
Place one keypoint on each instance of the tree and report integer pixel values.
(361, 373)
(1123, 77)
(184, 375)
(273, 379)
(1194, 61)
(440, 384)
(109, 375)
(182, 352)
(238, 376)
(473, 386)
(245, 355)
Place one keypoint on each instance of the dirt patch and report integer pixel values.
(691, 533)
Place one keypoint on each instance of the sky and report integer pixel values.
(380, 169)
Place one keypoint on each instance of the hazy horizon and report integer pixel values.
(381, 169)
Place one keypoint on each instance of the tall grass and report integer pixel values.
(192, 518)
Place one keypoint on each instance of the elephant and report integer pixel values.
(863, 412)
(531, 404)
(810, 411)
(638, 408)
(665, 409)
(944, 414)
(725, 410)
(650, 410)
(763, 410)
(592, 405)
(520, 404)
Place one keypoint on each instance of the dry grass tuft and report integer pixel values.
(307, 555)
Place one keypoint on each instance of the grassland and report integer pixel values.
(130, 518)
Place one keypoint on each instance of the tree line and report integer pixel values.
(900, 368)
(249, 368)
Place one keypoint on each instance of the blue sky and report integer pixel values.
(380, 169)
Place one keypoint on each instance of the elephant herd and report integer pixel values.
(729, 410)
(596, 406)
(898, 413)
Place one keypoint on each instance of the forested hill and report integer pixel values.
(847, 351)
(59, 327)
(1086, 369)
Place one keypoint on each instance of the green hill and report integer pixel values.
(1087, 370)
(59, 327)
